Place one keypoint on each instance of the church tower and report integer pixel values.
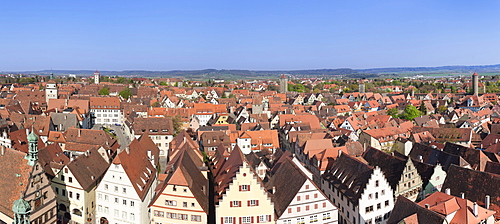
(50, 91)
(97, 76)
(283, 84)
(32, 155)
(361, 86)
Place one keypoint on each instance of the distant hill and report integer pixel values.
(441, 69)
(256, 74)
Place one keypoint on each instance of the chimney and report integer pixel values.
(427, 206)
(3, 151)
(447, 191)
(27, 131)
(462, 195)
(486, 201)
(79, 133)
(340, 153)
(420, 159)
(274, 190)
(127, 149)
(474, 209)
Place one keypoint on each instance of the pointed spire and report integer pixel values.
(32, 155)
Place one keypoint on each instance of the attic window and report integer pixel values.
(164, 130)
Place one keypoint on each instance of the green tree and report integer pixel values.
(442, 108)
(410, 113)
(163, 83)
(126, 93)
(104, 91)
(423, 109)
(393, 112)
(156, 104)
(177, 123)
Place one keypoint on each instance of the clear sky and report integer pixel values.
(257, 35)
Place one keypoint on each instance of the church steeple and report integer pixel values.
(32, 155)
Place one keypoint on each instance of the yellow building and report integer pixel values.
(240, 196)
(183, 195)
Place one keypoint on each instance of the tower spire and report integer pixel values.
(32, 155)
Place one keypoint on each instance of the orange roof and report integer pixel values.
(447, 204)
(105, 103)
(312, 120)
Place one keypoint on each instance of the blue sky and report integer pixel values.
(257, 35)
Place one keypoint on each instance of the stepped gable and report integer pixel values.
(354, 173)
(225, 174)
(392, 166)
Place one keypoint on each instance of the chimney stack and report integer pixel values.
(474, 209)
(3, 150)
(462, 195)
(447, 191)
(420, 158)
(79, 133)
(340, 153)
(274, 190)
(487, 202)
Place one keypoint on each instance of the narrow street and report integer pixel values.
(123, 140)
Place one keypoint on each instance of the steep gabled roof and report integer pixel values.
(445, 204)
(137, 166)
(88, 168)
(349, 175)
(185, 172)
(474, 184)
(405, 208)
(287, 181)
(226, 172)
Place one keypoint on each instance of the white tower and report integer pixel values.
(97, 76)
(50, 91)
